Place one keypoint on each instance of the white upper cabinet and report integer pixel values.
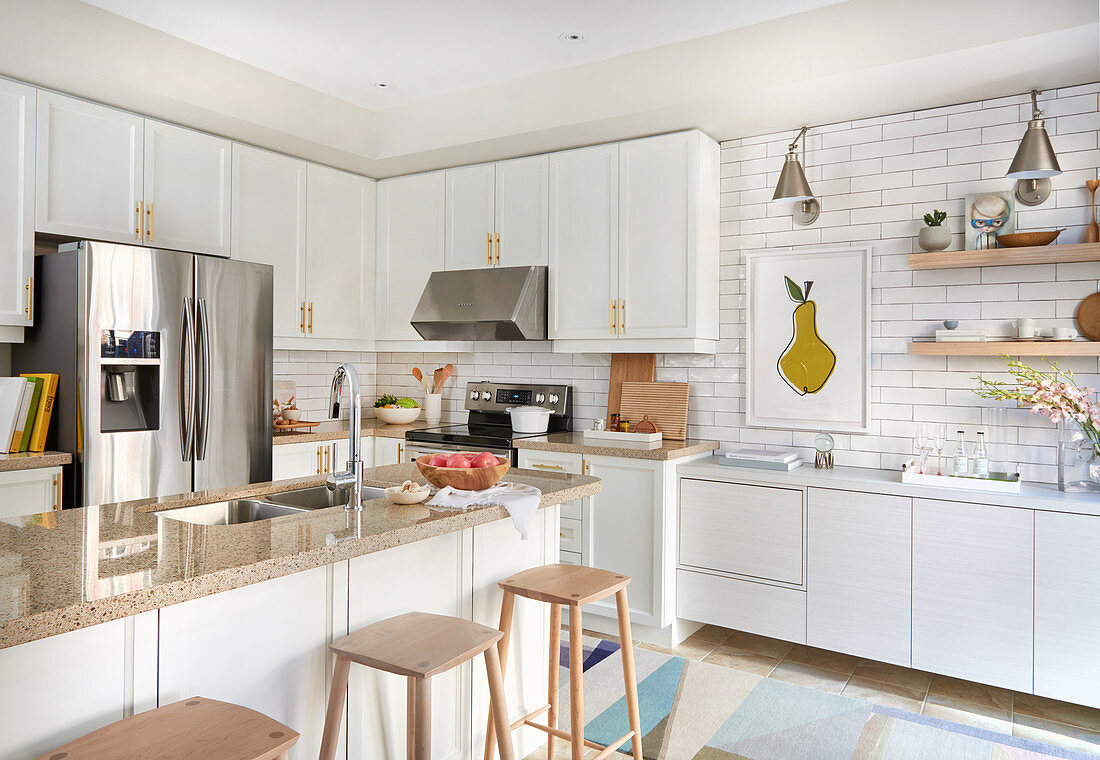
(340, 246)
(410, 247)
(89, 170)
(187, 180)
(16, 202)
(497, 214)
(522, 208)
(269, 227)
(584, 243)
(471, 217)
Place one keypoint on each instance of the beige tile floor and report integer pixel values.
(1046, 720)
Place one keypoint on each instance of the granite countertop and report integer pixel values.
(574, 443)
(61, 571)
(334, 430)
(32, 459)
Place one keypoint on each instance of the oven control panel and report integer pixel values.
(488, 396)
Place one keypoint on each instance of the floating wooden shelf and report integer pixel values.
(1004, 257)
(1008, 347)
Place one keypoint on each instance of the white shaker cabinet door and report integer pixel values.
(470, 216)
(410, 247)
(388, 451)
(296, 460)
(28, 492)
(187, 197)
(584, 247)
(522, 207)
(973, 585)
(339, 254)
(269, 227)
(17, 103)
(859, 574)
(89, 170)
(1067, 607)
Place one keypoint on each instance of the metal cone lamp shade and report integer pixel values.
(792, 184)
(1035, 157)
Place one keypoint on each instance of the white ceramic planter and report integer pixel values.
(934, 238)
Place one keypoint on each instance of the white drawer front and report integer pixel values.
(758, 608)
(748, 530)
(570, 558)
(571, 535)
(550, 461)
(571, 509)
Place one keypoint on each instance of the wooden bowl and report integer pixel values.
(1022, 239)
(462, 478)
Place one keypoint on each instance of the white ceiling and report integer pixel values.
(427, 48)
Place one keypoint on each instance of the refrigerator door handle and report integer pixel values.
(203, 391)
(187, 382)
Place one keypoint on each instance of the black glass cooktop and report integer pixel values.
(500, 436)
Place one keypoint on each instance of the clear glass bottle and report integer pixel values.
(981, 457)
(961, 463)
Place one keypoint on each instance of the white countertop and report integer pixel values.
(1032, 496)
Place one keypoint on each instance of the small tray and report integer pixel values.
(629, 440)
(299, 425)
(910, 476)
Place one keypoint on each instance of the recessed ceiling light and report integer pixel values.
(572, 38)
(383, 85)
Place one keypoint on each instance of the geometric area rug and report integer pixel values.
(693, 710)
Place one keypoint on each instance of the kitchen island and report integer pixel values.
(115, 609)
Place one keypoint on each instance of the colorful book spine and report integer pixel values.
(45, 410)
(22, 410)
(32, 412)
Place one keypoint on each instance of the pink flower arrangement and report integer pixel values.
(1053, 394)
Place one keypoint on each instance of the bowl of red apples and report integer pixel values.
(464, 470)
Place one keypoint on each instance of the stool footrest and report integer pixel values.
(604, 750)
(529, 716)
(612, 747)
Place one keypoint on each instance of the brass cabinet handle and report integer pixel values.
(612, 320)
(319, 460)
(538, 466)
(149, 232)
(488, 249)
(328, 461)
(584, 467)
(311, 317)
(137, 225)
(57, 491)
(29, 311)
(498, 248)
(302, 317)
(622, 316)
(400, 452)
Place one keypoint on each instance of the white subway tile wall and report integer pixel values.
(876, 178)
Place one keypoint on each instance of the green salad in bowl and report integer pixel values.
(392, 410)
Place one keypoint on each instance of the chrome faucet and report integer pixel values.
(353, 476)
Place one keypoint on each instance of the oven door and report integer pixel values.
(416, 449)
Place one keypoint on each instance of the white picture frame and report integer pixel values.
(838, 400)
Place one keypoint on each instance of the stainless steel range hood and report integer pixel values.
(500, 303)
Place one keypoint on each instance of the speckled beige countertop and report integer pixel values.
(337, 429)
(71, 569)
(32, 459)
(574, 443)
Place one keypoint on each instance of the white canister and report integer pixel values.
(529, 419)
(433, 407)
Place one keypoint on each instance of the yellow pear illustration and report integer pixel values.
(807, 363)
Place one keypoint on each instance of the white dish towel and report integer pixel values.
(521, 501)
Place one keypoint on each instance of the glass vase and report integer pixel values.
(1078, 459)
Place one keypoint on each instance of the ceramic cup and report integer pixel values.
(1063, 333)
(950, 324)
(433, 407)
(1025, 328)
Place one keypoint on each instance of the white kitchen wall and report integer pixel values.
(876, 178)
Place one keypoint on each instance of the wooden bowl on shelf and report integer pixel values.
(1025, 239)
(462, 478)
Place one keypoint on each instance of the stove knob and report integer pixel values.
(474, 395)
(553, 398)
(486, 395)
(539, 398)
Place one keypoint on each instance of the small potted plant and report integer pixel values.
(934, 235)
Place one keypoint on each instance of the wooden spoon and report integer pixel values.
(1092, 232)
(447, 372)
(418, 375)
(437, 379)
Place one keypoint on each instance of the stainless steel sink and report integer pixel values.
(230, 512)
(319, 497)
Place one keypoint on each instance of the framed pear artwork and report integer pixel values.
(807, 339)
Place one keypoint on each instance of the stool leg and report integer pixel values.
(334, 713)
(507, 604)
(498, 705)
(630, 678)
(422, 738)
(410, 718)
(576, 682)
(555, 658)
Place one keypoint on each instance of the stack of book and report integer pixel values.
(775, 459)
(26, 403)
(961, 336)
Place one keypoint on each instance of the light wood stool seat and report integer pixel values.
(571, 586)
(185, 730)
(417, 645)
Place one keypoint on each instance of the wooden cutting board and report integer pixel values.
(1088, 317)
(665, 403)
(627, 368)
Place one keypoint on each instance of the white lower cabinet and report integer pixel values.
(388, 451)
(760, 608)
(859, 575)
(572, 531)
(1067, 607)
(28, 492)
(302, 460)
(973, 588)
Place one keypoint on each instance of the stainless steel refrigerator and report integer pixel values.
(164, 364)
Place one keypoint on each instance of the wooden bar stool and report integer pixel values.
(574, 586)
(192, 728)
(417, 645)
